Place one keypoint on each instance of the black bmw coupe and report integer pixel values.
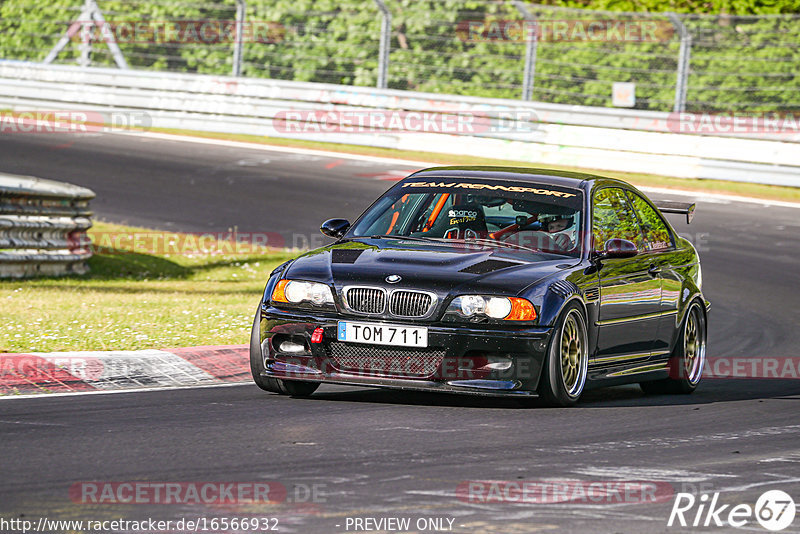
(490, 281)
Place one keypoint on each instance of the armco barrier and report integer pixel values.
(600, 138)
(43, 227)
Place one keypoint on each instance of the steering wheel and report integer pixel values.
(563, 241)
(512, 229)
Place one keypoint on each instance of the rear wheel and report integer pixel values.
(273, 385)
(565, 368)
(688, 358)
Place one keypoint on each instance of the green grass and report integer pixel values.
(136, 299)
(769, 192)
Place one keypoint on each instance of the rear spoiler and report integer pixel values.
(669, 206)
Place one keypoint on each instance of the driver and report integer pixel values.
(554, 226)
(559, 225)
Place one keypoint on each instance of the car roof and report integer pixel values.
(577, 180)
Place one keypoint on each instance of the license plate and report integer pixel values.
(383, 334)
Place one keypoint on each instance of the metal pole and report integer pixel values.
(86, 37)
(531, 45)
(238, 45)
(91, 12)
(383, 51)
(108, 36)
(64, 41)
(684, 53)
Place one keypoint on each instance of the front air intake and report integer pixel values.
(369, 300)
(410, 303)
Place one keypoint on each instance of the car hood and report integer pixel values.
(441, 268)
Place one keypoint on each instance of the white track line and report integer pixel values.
(277, 148)
(117, 391)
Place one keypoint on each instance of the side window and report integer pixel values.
(613, 218)
(656, 234)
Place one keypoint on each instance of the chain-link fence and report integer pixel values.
(491, 48)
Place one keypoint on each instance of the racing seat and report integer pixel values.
(461, 221)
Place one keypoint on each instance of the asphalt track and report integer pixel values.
(385, 454)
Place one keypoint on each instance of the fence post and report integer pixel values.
(86, 37)
(241, 7)
(531, 44)
(684, 53)
(383, 51)
(108, 36)
(90, 15)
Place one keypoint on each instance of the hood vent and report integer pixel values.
(488, 266)
(592, 293)
(345, 255)
(564, 288)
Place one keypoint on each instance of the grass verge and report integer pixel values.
(768, 192)
(137, 298)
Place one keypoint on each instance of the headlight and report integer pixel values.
(506, 308)
(296, 292)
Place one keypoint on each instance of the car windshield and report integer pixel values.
(515, 215)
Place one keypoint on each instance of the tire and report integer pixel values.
(257, 360)
(273, 385)
(565, 367)
(688, 357)
(297, 388)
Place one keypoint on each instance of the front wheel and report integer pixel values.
(273, 385)
(565, 368)
(688, 358)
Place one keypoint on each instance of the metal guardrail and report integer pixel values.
(506, 48)
(205, 92)
(43, 227)
(576, 136)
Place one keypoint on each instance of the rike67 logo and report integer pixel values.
(774, 510)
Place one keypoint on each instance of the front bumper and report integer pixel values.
(477, 359)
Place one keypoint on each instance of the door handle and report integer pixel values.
(654, 270)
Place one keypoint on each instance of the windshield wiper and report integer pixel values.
(444, 241)
(405, 238)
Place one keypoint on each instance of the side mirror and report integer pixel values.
(619, 248)
(335, 228)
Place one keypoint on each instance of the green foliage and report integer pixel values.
(738, 62)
